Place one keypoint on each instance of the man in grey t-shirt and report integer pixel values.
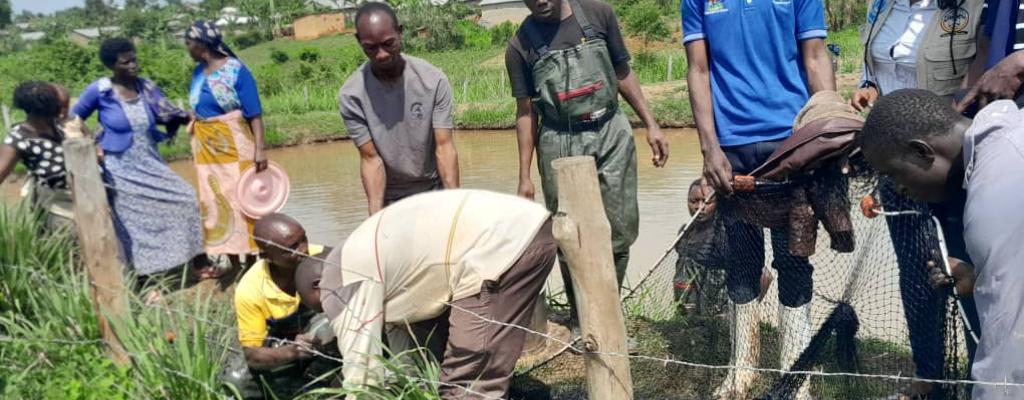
(930, 151)
(398, 111)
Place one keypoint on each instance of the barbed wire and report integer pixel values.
(666, 361)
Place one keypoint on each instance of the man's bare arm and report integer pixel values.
(371, 168)
(818, 65)
(526, 137)
(447, 158)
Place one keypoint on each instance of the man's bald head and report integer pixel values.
(376, 13)
(281, 239)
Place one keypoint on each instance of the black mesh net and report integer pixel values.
(795, 276)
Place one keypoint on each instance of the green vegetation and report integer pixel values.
(299, 80)
(49, 332)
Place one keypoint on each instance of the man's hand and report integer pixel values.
(718, 171)
(305, 345)
(963, 276)
(1000, 82)
(308, 340)
(659, 146)
(526, 188)
(864, 98)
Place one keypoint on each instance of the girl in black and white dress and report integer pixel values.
(36, 143)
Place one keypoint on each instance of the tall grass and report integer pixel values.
(49, 334)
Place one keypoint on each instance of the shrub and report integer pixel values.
(843, 13)
(248, 39)
(643, 20)
(475, 36)
(501, 34)
(278, 56)
(432, 27)
(309, 55)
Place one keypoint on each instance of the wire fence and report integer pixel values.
(849, 271)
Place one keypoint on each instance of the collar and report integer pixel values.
(106, 86)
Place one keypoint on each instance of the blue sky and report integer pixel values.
(45, 6)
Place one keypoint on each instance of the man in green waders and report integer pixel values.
(567, 65)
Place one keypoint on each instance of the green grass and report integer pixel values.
(49, 334)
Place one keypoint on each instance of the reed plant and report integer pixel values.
(49, 333)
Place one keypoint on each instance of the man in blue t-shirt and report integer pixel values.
(998, 71)
(753, 64)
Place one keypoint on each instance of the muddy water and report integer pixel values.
(327, 194)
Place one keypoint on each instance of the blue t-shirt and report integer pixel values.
(231, 87)
(758, 84)
(1004, 26)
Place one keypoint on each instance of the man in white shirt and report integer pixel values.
(459, 266)
(931, 152)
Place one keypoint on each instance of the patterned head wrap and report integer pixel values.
(208, 34)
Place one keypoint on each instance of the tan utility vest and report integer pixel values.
(935, 71)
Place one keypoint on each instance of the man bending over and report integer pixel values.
(457, 267)
(931, 151)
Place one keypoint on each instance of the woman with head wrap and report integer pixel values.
(157, 216)
(227, 138)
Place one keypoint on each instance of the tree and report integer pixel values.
(136, 4)
(644, 21)
(5, 13)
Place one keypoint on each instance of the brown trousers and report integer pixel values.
(478, 354)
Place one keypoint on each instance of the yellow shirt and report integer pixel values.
(258, 301)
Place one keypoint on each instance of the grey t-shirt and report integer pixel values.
(400, 119)
(993, 230)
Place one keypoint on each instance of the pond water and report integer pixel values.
(327, 194)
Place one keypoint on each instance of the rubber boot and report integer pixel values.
(746, 347)
(795, 325)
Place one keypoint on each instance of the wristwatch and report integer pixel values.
(867, 84)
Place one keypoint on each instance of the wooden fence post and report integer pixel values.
(584, 235)
(305, 95)
(7, 116)
(97, 240)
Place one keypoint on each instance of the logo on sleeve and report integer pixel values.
(714, 7)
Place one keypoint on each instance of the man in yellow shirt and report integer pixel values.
(271, 319)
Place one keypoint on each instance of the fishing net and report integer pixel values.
(873, 316)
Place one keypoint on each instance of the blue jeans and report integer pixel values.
(746, 243)
(913, 239)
